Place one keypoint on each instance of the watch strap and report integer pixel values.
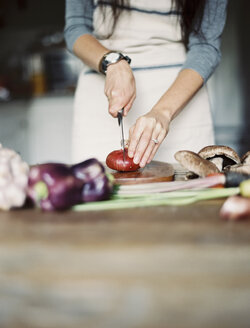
(104, 63)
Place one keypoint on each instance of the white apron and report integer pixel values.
(149, 33)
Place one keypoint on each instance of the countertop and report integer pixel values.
(152, 267)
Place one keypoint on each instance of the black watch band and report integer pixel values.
(110, 58)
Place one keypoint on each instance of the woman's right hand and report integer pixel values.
(120, 87)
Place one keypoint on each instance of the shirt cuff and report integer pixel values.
(72, 35)
(202, 59)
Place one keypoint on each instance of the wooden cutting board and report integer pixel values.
(154, 172)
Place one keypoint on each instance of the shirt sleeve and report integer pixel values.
(78, 20)
(204, 53)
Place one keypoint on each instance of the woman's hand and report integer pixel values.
(146, 136)
(120, 87)
(155, 124)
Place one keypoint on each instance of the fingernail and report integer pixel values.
(142, 164)
(130, 154)
(136, 159)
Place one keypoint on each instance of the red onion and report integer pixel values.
(115, 161)
(235, 208)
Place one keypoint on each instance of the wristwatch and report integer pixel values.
(109, 58)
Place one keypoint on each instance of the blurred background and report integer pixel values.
(38, 78)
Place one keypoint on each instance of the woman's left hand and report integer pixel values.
(146, 136)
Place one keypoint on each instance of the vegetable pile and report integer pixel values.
(51, 186)
(87, 186)
(57, 186)
(214, 159)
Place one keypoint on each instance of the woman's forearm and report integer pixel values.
(119, 81)
(89, 50)
(187, 83)
(155, 124)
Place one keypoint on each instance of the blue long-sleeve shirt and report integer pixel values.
(203, 54)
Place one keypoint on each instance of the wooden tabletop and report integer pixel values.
(155, 267)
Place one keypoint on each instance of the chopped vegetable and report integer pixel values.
(13, 179)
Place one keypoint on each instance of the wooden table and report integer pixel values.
(155, 267)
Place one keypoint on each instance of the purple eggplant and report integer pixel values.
(97, 184)
(97, 189)
(52, 186)
(56, 186)
(88, 170)
(37, 171)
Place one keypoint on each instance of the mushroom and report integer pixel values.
(196, 164)
(218, 161)
(245, 159)
(221, 156)
(243, 167)
(239, 168)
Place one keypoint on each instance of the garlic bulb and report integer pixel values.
(13, 179)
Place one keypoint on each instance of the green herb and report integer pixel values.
(175, 198)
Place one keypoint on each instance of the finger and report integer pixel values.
(161, 137)
(142, 145)
(114, 107)
(116, 101)
(131, 130)
(135, 136)
(128, 106)
(151, 146)
(152, 155)
(153, 140)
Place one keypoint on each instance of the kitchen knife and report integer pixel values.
(120, 123)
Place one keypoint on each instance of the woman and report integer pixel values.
(174, 47)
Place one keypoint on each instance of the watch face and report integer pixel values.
(112, 57)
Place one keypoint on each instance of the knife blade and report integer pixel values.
(120, 123)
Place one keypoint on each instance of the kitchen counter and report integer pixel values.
(148, 267)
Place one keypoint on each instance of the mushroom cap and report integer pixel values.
(245, 159)
(214, 151)
(239, 168)
(194, 163)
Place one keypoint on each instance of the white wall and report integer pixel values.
(40, 129)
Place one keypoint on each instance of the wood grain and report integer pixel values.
(154, 172)
(141, 268)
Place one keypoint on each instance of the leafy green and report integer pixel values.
(174, 198)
